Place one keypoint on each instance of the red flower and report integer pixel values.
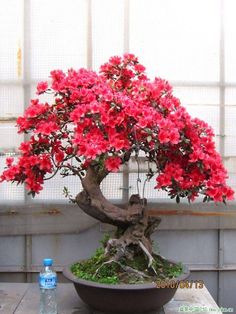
(116, 60)
(25, 147)
(113, 164)
(59, 156)
(139, 68)
(9, 161)
(45, 163)
(101, 120)
(35, 110)
(47, 128)
(42, 87)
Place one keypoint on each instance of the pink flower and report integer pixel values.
(109, 115)
(33, 185)
(45, 163)
(25, 147)
(116, 60)
(113, 164)
(163, 136)
(130, 57)
(42, 87)
(9, 161)
(174, 136)
(163, 180)
(228, 193)
(47, 128)
(59, 156)
(139, 68)
(11, 173)
(23, 124)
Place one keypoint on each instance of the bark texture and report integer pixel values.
(134, 226)
(92, 201)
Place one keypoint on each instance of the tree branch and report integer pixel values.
(92, 201)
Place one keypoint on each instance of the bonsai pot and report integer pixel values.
(125, 298)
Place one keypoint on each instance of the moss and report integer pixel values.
(95, 269)
(88, 269)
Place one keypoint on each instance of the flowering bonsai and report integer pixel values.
(98, 122)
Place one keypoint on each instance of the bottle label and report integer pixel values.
(48, 282)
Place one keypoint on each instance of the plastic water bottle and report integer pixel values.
(47, 284)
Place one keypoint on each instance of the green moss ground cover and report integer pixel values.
(96, 269)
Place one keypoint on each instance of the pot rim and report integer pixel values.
(141, 286)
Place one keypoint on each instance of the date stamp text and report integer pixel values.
(182, 284)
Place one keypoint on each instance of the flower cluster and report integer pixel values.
(101, 118)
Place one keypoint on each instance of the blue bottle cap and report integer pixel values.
(47, 262)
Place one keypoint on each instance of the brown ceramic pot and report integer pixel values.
(124, 298)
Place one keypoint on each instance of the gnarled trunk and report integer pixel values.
(134, 226)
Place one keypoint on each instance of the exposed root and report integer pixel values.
(103, 264)
(149, 256)
(121, 250)
(127, 269)
(135, 239)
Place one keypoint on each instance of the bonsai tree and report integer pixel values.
(98, 122)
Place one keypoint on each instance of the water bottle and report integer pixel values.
(47, 284)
